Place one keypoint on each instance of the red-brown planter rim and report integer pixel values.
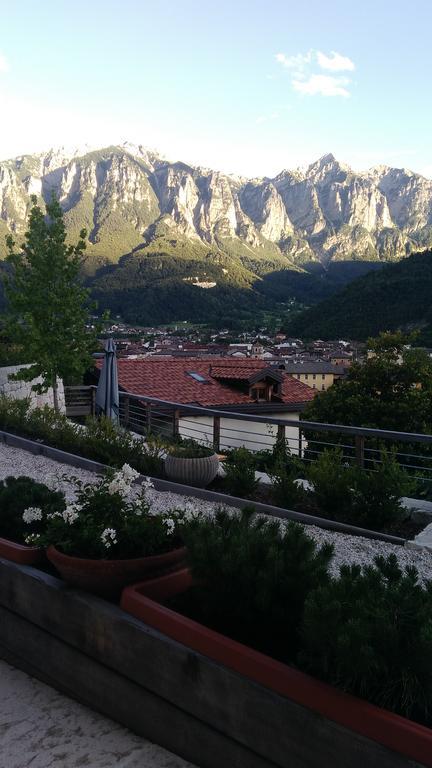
(393, 731)
(107, 577)
(20, 553)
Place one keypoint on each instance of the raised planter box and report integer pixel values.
(403, 736)
(158, 687)
(20, 553)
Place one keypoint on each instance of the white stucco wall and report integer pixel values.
(234, 433)
(21, 389)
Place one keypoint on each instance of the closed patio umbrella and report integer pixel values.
(107, 393)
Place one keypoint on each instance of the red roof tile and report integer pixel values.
(171, 380)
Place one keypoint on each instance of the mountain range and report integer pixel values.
(183, 236)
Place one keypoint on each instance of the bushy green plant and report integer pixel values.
(376, 500)
(110, 444)
(13, 413)
(368, 498)
(107, 522)
(286, 491)
(240, 473)
(53, 428)
(332, 480)
(18, 495)
(100, 440)
(190, 449)
(257, 574)
(370, 632)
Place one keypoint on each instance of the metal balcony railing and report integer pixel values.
(227, 428)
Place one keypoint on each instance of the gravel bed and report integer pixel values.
(348, 549)
(42, 728)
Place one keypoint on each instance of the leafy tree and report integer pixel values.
(391, 389)
(48, 308)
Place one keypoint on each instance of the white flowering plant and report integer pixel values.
(24, 505)
(113, 519)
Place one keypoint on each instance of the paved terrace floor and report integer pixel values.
(41, 728)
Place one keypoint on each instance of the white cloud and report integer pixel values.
(335, 62)
(297, 62)
(306, 80)
(323, 85)
(4, 64)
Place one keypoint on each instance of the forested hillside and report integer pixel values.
(399, 296)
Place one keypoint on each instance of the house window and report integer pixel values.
(323, 386)
(306, 375)
(298, 375)
(198, 377)
(313, 386)
(323, 376)
(314, 376)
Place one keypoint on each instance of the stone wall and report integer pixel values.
(22, 389)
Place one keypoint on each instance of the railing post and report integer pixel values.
(176, 420)
(280, 439)
(126, 411)
(93, 401)
(149, 418)
(216, 433)
(300, 443)
(360, 450)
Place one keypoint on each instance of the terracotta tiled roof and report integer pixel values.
(171, 380)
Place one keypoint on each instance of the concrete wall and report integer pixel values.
(234, 433)
(21, 389)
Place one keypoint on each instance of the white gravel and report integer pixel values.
(348, 549)
(41, 728)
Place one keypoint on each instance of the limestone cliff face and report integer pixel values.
(325, 212)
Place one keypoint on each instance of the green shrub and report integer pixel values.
(13, 413)
(190, 449)
(376, 500)
(110, 444)
(18, 494)
(286, 492)
(370, 632)
(366, 498)
(53, 428)
(332, 482)
(257, 575)
(240, 473)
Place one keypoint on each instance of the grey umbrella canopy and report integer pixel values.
(107, 393)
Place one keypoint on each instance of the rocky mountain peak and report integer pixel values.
(121, 193)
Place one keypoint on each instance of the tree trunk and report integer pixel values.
(55, 393)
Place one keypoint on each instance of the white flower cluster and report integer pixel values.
(32, 538)
(109, 537)
(170, 524)
(122, 481)
(31, 514)
(147, 484)
(70, 514)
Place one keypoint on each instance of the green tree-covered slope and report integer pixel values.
(398, 296)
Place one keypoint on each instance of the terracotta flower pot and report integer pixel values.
(20, 553)
(108, 577)
(199, 471)
(403, 736)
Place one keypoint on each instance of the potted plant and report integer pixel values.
(191, 464)
(24, 504)
(111, 537)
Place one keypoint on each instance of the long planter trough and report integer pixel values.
(179, 697)
(405, 737)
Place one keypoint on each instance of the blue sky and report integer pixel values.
(249, 87)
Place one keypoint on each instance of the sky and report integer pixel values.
(244, 86)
